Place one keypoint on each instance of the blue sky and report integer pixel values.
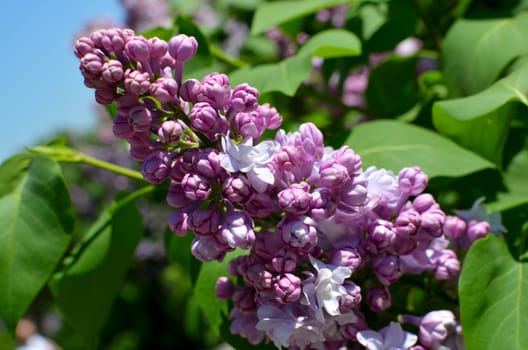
(41, 89)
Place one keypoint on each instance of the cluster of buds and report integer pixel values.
(325, 237)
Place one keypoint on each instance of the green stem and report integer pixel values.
(216, 52)
(112, 167)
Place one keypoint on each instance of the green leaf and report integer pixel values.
(393, 145)
(272, 14)
(284, 77)
(476, 51)
(392, 89)
(36, 217)
(85, 286)
(483, 116)
(332, 43)
(494, 297)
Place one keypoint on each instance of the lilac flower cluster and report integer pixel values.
(326, 238)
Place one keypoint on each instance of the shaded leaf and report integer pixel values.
(36, 217)
(332, 43)
(494, 297)
(272, 14)
(85, 287)
(483, 116)
(394, 145)
(476, 51)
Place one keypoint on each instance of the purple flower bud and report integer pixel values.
(164, 89)
(387, 268)
(178, 222)
(190, 90)
(432, 222)
(139, 151)
(207, 163)
(113, 40)
(435, 327)
(136, 82)
(207, 249)
(287, 288)
(284, 261)
(446, 265)
(379, 299)
(258, 277)
(272, 118)
(244, 98)
(349, 159)
(176, 197)
(91, 65)
(407, 222)
(156, 167)
(333, 174)
(349, 330)
(295, 199)
(266, 245)
(203, 117)
(299, 232)
(158, 47)
(244, 299)
(205, 222)
(476, 230)
(352, 298)
(112, 71)
(260, 205)
(353, 193)
(237, 230)
(412, 181)
(105, 96)
(195, 187)
(122, 128)
(138, 48)
(347, 257)
(322, 205)
(215, 90)
(183, 47)
(170, 132)
(140, 118)
(236, 189)
(454, 227)
(224, 288)
(239, 265)
(380, 234)
(249, 125)
(83, 46)
(423, 202)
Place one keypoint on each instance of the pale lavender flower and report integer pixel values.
(250, 159)
(392, 337)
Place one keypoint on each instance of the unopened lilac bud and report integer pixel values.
(238, 266)
(237, 230)
(412, 181)
(249, 125)
(284, 261)
(183, 47)
(138, 48)
(287, 288)
(176, 197)
(272, 118)
(158, 47)
(207, 163)
(122, 128)
(322, 205)
(170, 132)
(332, 174)
(215, 90)
(387, 268)
(190, 90)
(91, 65)
(258, 277)
(435, 327)
(236, 189)
(347, 257)
(299, 232)
(139, 151)
(352, 298)
(112, 71)
(156, 167)
(207, 249)
(446, 265)
(476, 230)
(136, 82)
(178, 223)
(114, 40)
(380, 234)
(244, 299)
(83, 46)
(244, 98)
(432, 222)
(407, 222)
(205, 222)
(203, 117)
(423, 202)
(105, 96)
(224, 288)
(260, 205)
(164, 89)
(454, 227)
(379, 299)
(346, 157)
(195, 187)
(140, 118)
(296, 198)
